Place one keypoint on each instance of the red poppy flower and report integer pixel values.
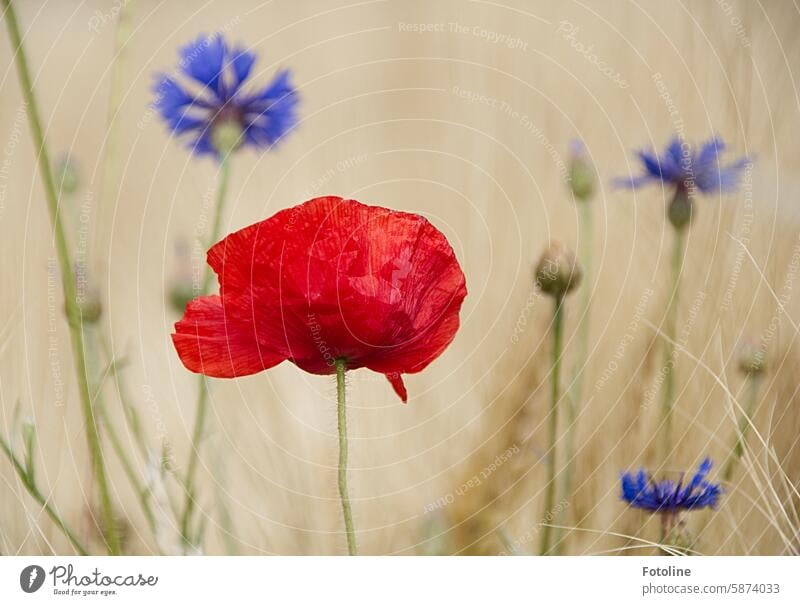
(328, 279)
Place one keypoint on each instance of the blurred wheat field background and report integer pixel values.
(472, 131)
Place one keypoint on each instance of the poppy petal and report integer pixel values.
(208, 344)
(396, 380)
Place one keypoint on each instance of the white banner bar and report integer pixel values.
(399, 580)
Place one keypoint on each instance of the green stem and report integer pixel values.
(29, 484)
(550, 488)
(575, 394)
(127, 465)
(202, 383)
(128, 409)
(669, 349)
(111, 164)
(341, 414)
(67, 279)
(116, 443)
(744, 427)
(668, 522)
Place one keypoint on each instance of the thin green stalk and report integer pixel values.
(67, 279)
(30, 485)
(744, 427)
(111, 164)
(550, 488)
(668, 523)
(129, 410)
(127, 465)
(202, 383)
(341, 414)
(227, 529)
(669, 349)
(116, 443)
(575, 393)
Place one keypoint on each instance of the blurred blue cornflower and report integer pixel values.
(688, 168)
(210, 106)
(670, 497)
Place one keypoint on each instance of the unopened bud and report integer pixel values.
(558, 271)
(680, 209)
(87, 307)
(226, 136)
(750, 358)
(181, 288)
(180, 294)
(581, 172)
(67, 176)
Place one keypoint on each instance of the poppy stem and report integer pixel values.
(202, 382)
(341, 413)
(669, 349)
(550, 488)
(75, 322)
(741, 432)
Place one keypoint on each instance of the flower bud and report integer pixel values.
(680, 209)
(181, 294)
(182, 287)
(67, 176)
(558, 271)
(581, 172)
(226, 136)
(750, 358)
(87, 307)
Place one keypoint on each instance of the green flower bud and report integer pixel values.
(750, 357)
(558, 271)
(67, 176)
(680, 209)
(581, 172)
(226, 136)
(180, 294)
(182, 288)
(87, 307)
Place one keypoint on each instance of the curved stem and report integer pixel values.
(67, 281)
(550, 488)
(341, 415)
(669, 349)
(30, 485)
(202, 383)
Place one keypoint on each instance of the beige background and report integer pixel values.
(385, 120)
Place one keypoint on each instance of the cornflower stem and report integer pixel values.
(668, 522)
(575, 393)
(668, 402)
(67, 280)
(33, 490)
(202, 383)
(550, 488)
(744, 426)
(341, 415)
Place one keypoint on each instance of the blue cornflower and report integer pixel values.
(640, 491)
(211, 95)
(688, 168)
